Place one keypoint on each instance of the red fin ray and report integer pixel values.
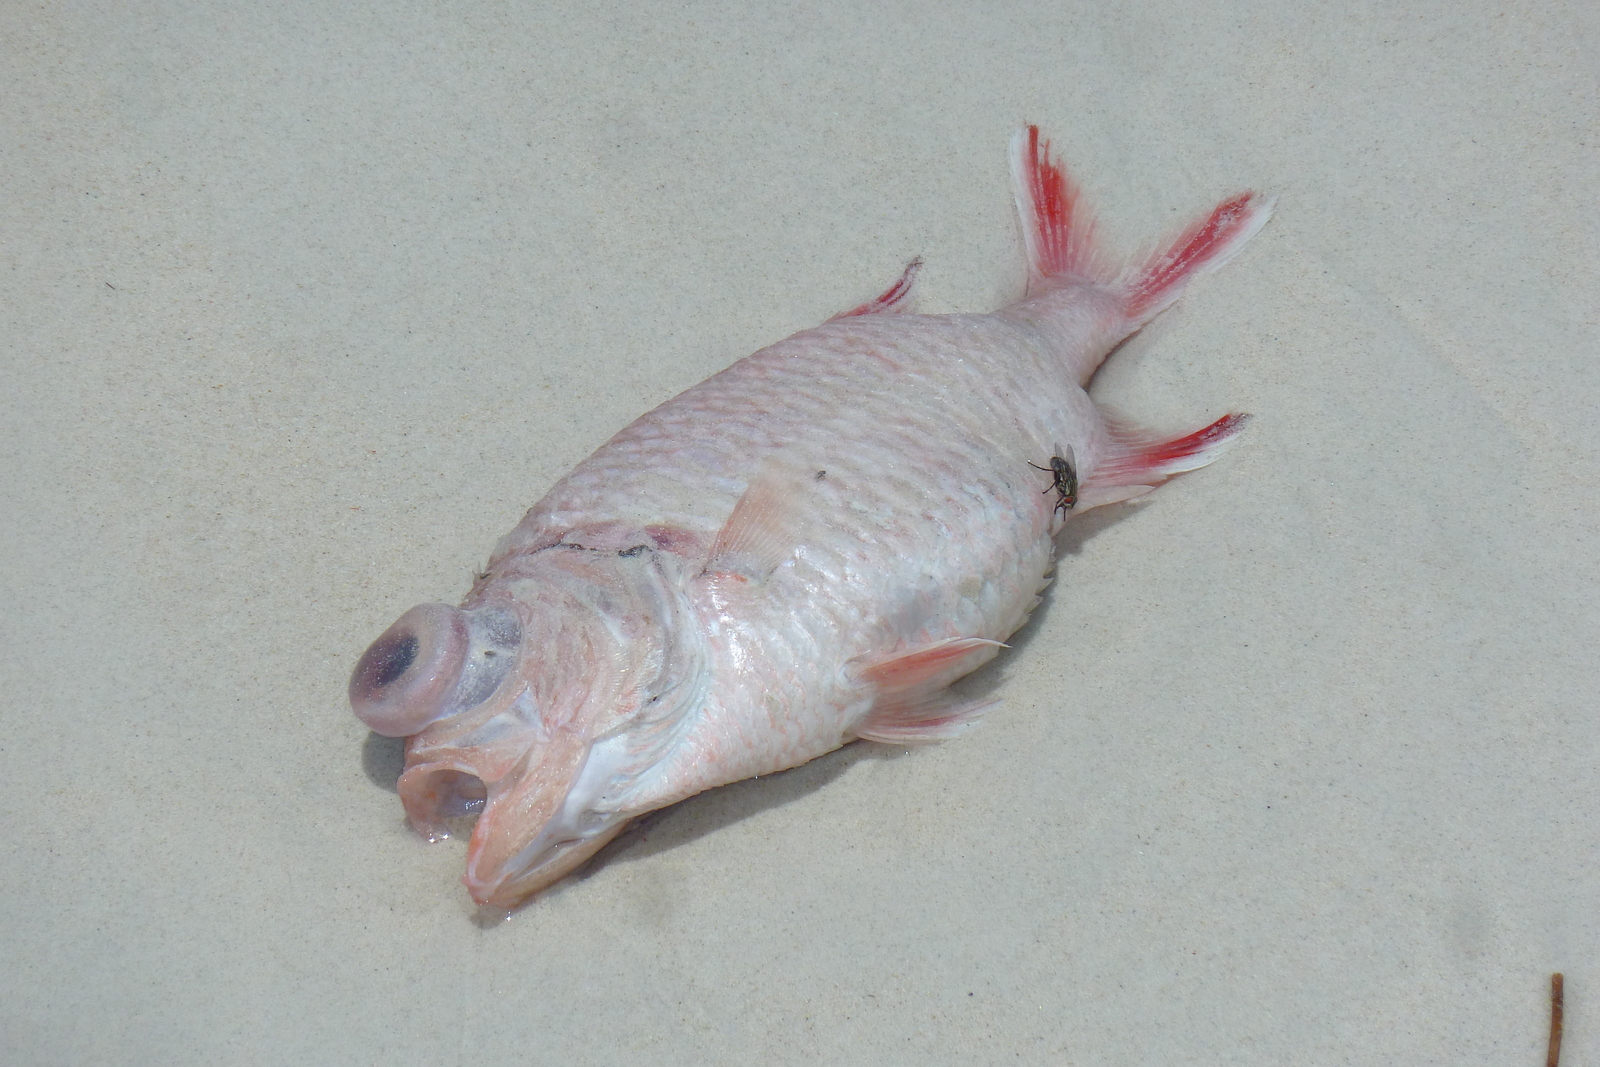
(1139, 457)
(896, 298)
(1059, 230)
(1057, 225)
(1206, 245)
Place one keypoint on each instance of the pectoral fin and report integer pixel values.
(766, 525)
(914, 705)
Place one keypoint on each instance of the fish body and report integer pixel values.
(803, 550)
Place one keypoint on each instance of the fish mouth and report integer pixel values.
(549, 861)
(437, 794)
(535, 823)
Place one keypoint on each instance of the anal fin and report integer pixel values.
(914, 705)
(1140, 458)
(1100, 495)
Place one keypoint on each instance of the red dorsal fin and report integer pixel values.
(894, 299)
(913, 705)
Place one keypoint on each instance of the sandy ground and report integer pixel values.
(304, 304)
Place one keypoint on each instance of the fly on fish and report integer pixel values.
(1063, 479)
(698, 602)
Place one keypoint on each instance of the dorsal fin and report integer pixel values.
(896, 298)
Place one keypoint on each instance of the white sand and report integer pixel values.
(304, 304)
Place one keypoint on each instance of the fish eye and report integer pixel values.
(433, 662)
(405, 679)
(387, 660)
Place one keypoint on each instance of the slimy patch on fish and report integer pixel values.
(802, 551)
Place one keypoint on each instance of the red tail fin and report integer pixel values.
(1059, 230)
(1204, 246)
(1056, 224)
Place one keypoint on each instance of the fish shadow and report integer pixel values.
(382, 760)
(716, 809)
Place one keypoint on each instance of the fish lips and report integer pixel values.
(549, 858)
(537, 819)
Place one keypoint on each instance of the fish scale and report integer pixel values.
(800, 551)
(790, 396)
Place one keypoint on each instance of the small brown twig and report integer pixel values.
(1553, 1059)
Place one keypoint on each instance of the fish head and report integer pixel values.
(520, 707)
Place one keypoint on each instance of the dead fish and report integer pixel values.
(800, 551)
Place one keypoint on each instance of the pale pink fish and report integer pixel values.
(800, 551)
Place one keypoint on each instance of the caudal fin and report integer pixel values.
(1207, 244)
(1059, 231)
(1057, 225)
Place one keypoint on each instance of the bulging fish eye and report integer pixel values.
(434, 661)
(403, 681)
